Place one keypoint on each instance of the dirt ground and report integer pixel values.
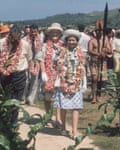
(50, 139)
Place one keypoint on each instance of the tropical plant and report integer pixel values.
(9, 132)
(113, 92)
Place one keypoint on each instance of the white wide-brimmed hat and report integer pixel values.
(72, 32)
(55, 26)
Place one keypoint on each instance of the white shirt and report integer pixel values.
(116, 46)
(83, 41)
(25, 56)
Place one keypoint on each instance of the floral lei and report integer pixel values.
(8, 61)
(70, 79)
(49, 65)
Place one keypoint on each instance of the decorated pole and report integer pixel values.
(103, 43)
(105, 22)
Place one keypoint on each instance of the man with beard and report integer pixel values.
(98, 64)
(15, 55)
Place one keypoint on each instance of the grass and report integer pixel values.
(106, 143)
(90, 114)
(103, 139)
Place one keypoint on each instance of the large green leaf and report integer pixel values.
(90, 129)
(106, 119)
(71, 147)
(11, 102)
(4, 142)
(79, 139)
(26, 117)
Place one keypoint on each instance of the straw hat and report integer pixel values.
(72, 32)
(4, 29)
(55, 26)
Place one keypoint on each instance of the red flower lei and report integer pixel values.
(8, 61)
(37, 42)
(79, 71)
(50, 71)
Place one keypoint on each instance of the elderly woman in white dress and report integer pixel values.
(71, 80)
(48, 57)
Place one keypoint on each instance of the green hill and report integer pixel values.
(75, 19)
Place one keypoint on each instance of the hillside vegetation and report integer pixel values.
(75, 19)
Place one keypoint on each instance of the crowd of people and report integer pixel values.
(55, 64)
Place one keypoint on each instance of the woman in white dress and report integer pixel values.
(48, 57)
(71, 80)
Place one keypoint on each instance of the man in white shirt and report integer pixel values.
(35, 41)
(15, 55)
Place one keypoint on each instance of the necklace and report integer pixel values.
(50, 66)
(8, 61)
(71, 72)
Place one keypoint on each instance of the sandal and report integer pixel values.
(74, 137)
(71, 136)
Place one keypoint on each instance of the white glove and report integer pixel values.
(57, 82)
(84, 86)
(44, 77)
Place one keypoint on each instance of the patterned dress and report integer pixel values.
(74, 101)
(69, 95)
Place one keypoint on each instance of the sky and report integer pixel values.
(19, 10)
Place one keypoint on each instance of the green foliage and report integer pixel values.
(4, 143)
(9, 135)
(87, 19)
(113, 90)
(107, 143)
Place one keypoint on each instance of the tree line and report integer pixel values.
(74, 19)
